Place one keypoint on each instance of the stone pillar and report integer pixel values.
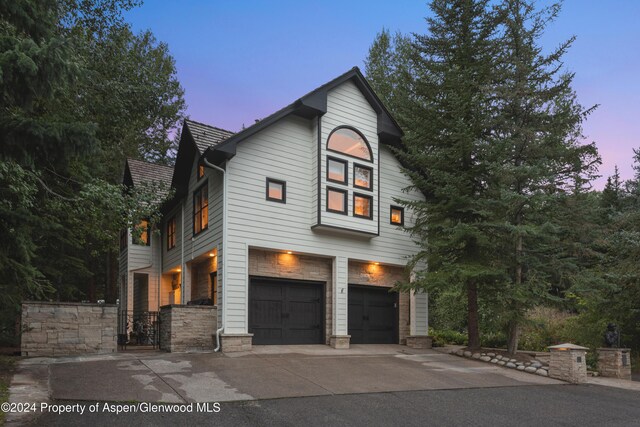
(615, 363)
(340, 337)
(232, 343)
(568, 363)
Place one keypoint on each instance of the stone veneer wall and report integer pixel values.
(614, 362)
(297, 267)
(201, 283)
(564, 365)
(361, 273)
(188, 327)
(63, 329)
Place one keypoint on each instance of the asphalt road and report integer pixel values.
(548, 405)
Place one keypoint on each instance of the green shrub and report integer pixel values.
(446, 336)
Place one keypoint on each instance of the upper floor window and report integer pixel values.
(171, 233)
(142, 233)
(362, 206)
(200, 172)
(337, 170)
(363, 177)
(348, 141)
(276, 190)
(397, 215)
(201, 209)
(336, 200)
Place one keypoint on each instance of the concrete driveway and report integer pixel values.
(272, 372)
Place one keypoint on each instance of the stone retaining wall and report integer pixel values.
(63, 329)
(188, 327)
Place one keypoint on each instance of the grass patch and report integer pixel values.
(7, 366)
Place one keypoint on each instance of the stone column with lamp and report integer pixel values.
(568, 363)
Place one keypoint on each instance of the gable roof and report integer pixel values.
(138, 172)
(204, 135)
(311, 105)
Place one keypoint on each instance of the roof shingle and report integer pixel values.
(143, 172)
(206, 136)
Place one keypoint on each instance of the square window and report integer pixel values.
(276, 190)
(397, 215)
(141, 234)
(363, 177)
(362, 206)
(200, 170)
(336, 200)
(337, 170)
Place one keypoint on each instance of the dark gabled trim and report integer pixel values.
(364, 196)
(349, 230)
(314, 104)
(370, 169)
(345, 193)
(345, 163)
(349, 155)
(319, 182)
(205, 183)
(284, 190)
(399, 208)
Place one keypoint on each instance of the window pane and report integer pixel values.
(362, 177)
(205, 216)
(336, 170)
(362, 206)
(275, 190)
(349, 142)
(396, 216)
(336, 201)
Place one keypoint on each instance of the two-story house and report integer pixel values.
(290, 227)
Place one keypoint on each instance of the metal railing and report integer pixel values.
(141, 328)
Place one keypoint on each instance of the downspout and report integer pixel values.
(182, 256)
(224, 247)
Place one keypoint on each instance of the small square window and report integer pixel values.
(336, 200)
(362, 206)
(397, 215)
(363, 177)
(337, 170)
(141, 234)
(200, 170)
(171, 233)
(276, 190)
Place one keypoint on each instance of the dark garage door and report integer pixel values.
(373, 315)
(286, 311)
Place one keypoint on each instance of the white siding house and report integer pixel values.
(314, 235)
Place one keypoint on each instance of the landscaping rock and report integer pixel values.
(512, 360)
(542, 372)
(467, 354)
(520, 368)
(460, 353)
(530, 369)
(491, 354)
(536, 364)
(499, 357)
(485, 359)
(494, 360)
(502, 363)
(476, 355)
(510, 365)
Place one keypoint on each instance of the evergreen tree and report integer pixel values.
(444, 111)
(535, 157)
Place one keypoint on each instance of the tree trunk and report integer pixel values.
(472, 312)
(514, 335)
(111, 293)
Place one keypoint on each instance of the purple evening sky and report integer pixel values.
(242, 60)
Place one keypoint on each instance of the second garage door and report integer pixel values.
(286, 311)
(373, 315)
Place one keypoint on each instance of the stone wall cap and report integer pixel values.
(624, 350)
(236, 335)
(86, 304)
(340, 336)
(172, 306)
(566, 346)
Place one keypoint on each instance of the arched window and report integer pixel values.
(349, 141)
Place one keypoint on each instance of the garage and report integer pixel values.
(373, 315)
(285, 311)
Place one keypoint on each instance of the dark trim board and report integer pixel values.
(286, 311)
